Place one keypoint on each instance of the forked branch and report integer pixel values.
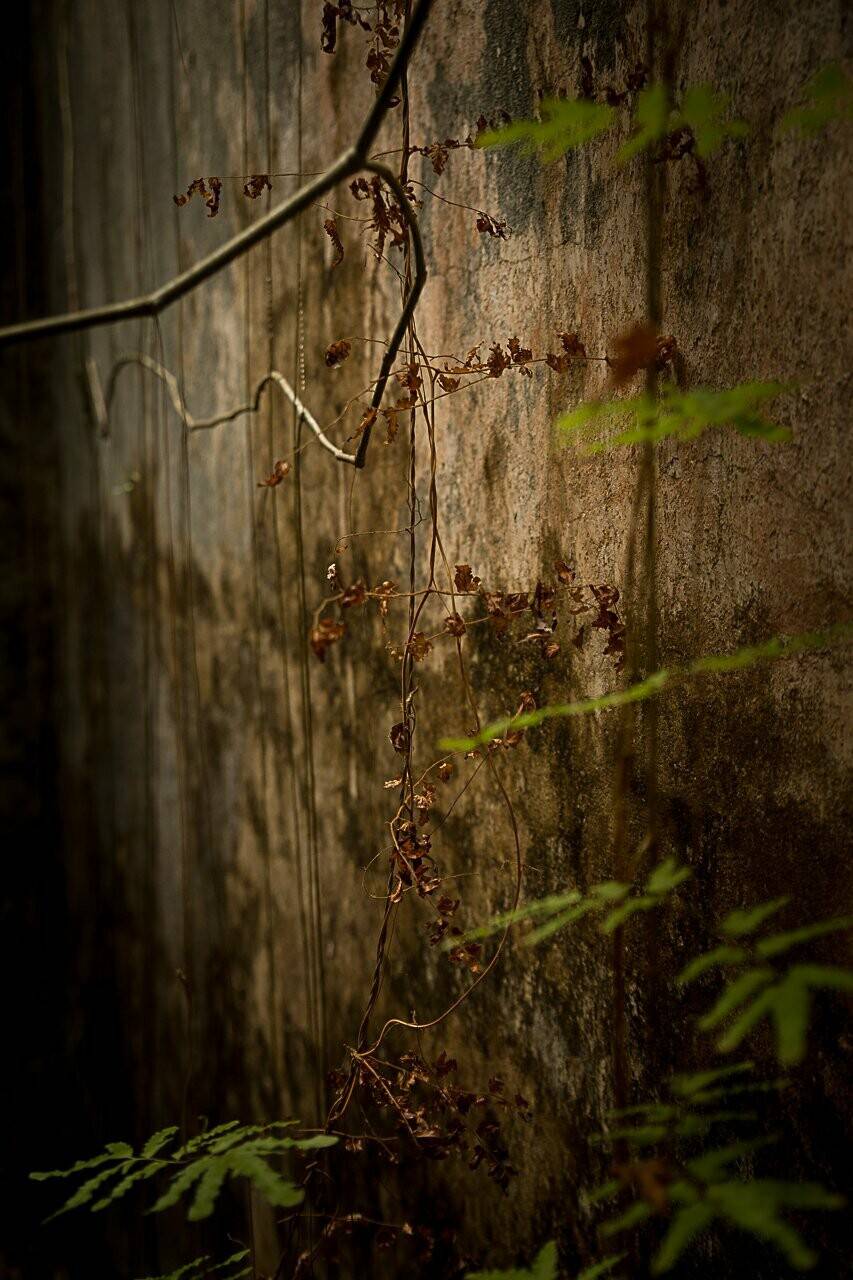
(351, 161)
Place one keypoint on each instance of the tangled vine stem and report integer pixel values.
(351, 161)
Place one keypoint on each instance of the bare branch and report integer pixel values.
(101, 402)
(347, 164)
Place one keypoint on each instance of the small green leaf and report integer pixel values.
(275, 1189)
(650, 122)
(614, 919)
(157, 1141)
(632, 1217)
(711, 1165)
(544, 1267)
(604, 1191)
(736, 994)
(703, 111)
(752, 1014)
(686, 1086)
(207, 1189)
(139, 1174)
(544, 931)
(780, 942)
(790, 1008)
(831, 98)
(179, 1184)
(686, 1224)
(563, 126)
(86, 1193)
(610, 890)
(668, 876)
(711, 960)
(747, 920)
(602, 1268)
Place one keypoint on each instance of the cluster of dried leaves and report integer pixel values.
(500, 610)
(383, 28)
(210, 194)
(513, 356)
(210, 191)
(424, 1106)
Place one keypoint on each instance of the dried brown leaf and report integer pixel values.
(326, 633)
(354, 595)
(330, 226)
(279, 471)
(419, 646)
(464, 579)
(633, 350)
(337, 352)
(258, 183)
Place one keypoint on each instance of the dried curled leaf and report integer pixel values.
(258, 183)
(391, 424)
(210, 195)
(419, 646)
(454, 625)
(354, 595)
(573, 349)
(445, 771)
(489, 226)
(337, 352)
(520, 354)
(279, 471)
(367, 421)
(634, 350)
(464, 579)
(326, 633)
(498, 360)
(330, 226)
(329, 38)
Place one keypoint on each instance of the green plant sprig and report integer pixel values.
(202, 1267)
(683, 415)
(760, 988)
(558, 910)
(739, 660)
(829, 95)
(566, 124)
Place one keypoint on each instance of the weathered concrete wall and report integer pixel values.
(213, 778)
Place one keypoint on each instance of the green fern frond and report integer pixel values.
(565, 909)
(201, 1165)
(759, 990)
(202, 1267)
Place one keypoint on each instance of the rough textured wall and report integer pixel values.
(220, 792)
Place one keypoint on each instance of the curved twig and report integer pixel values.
(101, 402)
